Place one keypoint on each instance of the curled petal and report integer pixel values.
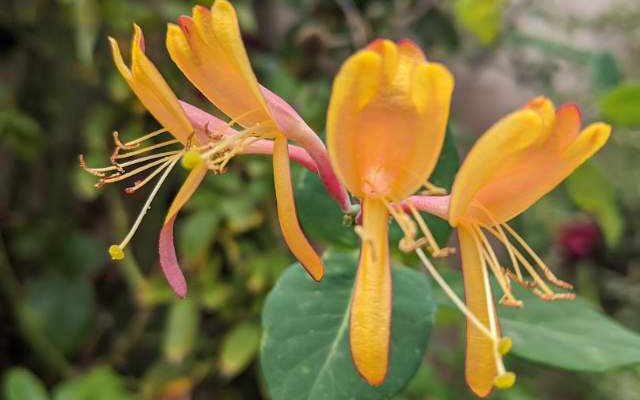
(169, 261)
(291, 231)
(490, 154)
(370, 314)
(208, 49)
(168, 258)
(150, 88)
(507, 179)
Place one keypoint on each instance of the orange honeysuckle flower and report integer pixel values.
(203, 143)
(516, 162)
(385, 129)
(207, 47)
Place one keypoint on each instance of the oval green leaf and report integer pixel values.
(621, 104)
(22, 384)
(569, 334)
(305, 347)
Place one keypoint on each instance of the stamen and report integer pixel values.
(191, 159)
(145, 208)
(454, 297)
(500, 344)
(537, 279)
(436, 250)
(433, 190)
(503, 238)
(489, 258)
(504, 345)
(136, 142)
(143, 182)
(545, 269)
(145, 149)
(120, 176)
(116, 252)
(505, 380)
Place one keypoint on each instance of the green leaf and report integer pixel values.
(181, 329)
(483, 18)
(62, 308)
(22, 384)
(320, 216)
(239, 348)
(592, 192)
(605, 73)
(100, 383)
(568, 334)
(565, 334)
(197, 232)
(621, 104)
(305, 351)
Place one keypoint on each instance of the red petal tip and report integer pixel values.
(571, 106)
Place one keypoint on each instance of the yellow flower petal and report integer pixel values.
(386, 120)
(507, 182)
(493, 150)
(291, 231)
(370, 318)
(481, 357)
(208, 49)
(151, 89)
(187, 190)
(547, 111)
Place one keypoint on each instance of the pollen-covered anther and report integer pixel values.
(191, 159)
(510, 302)
(432, 190)
(505, 380)
(504, 345)
(554, 296)
(116, 252)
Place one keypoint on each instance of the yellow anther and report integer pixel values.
(505, 381)
(504, 345)
(116, 252)
(191, 159)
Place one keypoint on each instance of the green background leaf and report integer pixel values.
(61, 308)
(181, 330)
(100, 383)
(239, 347)
(621, 104)
(568, 334)
(591, 191)
(22, 384)
(305, 352)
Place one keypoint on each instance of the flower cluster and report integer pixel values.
(385, 130)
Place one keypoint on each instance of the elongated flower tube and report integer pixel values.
(517, 161)
(207, 47)
(194, 132)
(385, 129)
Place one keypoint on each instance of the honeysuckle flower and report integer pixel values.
(208, 49)
(203, 143)
(516, 162)
(385, 129)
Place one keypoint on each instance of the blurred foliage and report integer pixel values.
(75, 326)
